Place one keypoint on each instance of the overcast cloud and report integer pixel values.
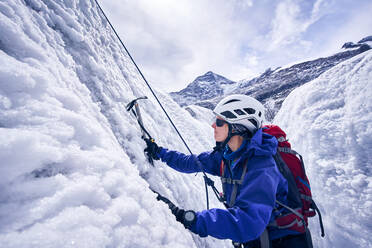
(174, 41)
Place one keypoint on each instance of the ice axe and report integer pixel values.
(137, 113)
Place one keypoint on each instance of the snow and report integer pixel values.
(329, 121)
(369, 43)
(202, 114)
(73, 171)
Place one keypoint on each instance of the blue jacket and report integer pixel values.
(255, 200)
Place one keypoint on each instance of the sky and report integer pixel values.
(173, 42)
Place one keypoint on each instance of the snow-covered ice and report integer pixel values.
(73, 172)
(72, 163)
(329, 121)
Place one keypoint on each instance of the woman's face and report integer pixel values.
(220, 132)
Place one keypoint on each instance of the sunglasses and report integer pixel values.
(220, 123)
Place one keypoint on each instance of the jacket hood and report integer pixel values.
(262, 144)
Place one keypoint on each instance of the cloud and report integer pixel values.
(173, 42)
(356, 24)
(292, 19)
(244, 3)
(185, 38)
(285, 24)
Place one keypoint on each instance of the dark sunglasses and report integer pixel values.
(220, 123)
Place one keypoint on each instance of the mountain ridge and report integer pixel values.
(272, 86)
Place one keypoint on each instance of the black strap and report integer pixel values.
(293, 192)
(265, 239)
(315, 207)
(235, 183)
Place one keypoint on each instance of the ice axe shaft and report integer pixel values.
(139, 117)
(137, 114)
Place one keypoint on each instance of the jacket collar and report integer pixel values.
(261, 144)
(230, 155)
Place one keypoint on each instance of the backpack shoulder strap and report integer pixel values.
(291, 151)
(285, 149)
(236, 185)
(293, 193)
(265, 239)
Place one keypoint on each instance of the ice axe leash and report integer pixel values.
(207, 180)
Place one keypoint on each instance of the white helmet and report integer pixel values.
(243, 110)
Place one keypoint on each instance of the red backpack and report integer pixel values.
(300, 205)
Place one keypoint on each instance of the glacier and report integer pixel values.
(329, 122)
(73, 171)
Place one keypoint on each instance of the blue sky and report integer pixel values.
(173, 42)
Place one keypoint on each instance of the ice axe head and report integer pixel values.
(132, 103)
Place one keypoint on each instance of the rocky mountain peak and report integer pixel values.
(271, 87)
(204, 87)
(364, 44)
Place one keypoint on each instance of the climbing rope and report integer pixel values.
(207, 180)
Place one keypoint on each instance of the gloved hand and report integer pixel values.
(152, 149)
(187, 218)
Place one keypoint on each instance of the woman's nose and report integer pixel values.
(214, 125)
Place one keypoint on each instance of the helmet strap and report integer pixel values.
(221, 145)
(229, 136)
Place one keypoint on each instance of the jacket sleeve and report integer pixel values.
(207, 161)
(250, 214)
